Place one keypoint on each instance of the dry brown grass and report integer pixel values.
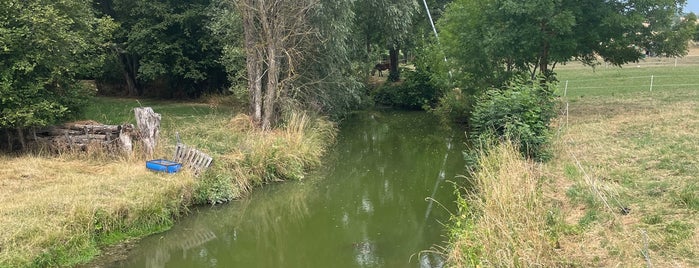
(636, 151)
(49, 203)
(509, 217)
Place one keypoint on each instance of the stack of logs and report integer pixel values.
(80, 135)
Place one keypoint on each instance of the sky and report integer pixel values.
(692, 6)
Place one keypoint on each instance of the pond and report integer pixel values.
(380, 200)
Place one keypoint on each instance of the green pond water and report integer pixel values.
(371, 205)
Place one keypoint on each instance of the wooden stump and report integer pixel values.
(125, 140)
(148, 123)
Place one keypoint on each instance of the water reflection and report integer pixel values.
(367, 208)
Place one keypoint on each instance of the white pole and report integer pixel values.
(434, 29)
(675, 61)
(565, 91)
(651, 83)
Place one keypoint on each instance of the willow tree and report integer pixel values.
(276, 32)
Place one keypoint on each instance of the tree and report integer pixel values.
(166, 41)
(44, 46)
(491, 40)
(322, 78)
(387, 23)
(327, 82)
(276, 33)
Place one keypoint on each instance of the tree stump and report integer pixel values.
(125, 139)
(148, 123)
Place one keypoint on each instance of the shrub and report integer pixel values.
(415, 92)
(521, 112)
(454, 106)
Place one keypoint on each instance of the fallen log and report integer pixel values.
(79, 136)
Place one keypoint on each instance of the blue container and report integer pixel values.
(162, 165)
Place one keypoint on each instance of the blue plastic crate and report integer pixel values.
(162, 165)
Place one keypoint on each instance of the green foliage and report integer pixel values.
(454, 106)
(487, 42)
(521, 112)
(415, 92)
(214, 188)
(327, 82)
(226, 28)
(44, 47)
(167, 44)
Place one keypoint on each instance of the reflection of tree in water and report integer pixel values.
(390, 147)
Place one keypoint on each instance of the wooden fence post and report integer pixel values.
(148, 123)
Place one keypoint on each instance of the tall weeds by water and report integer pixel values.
(502, 221)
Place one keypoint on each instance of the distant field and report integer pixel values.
(607, 81)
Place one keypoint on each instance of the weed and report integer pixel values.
(502, 223)
(678, 231)
(688, 197)
(591, 215)
(652, 219)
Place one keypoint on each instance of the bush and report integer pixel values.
(416, 92)
(454, 106)
(521, 113)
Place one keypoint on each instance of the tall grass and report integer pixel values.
(502, 222)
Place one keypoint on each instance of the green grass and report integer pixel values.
(619, 81)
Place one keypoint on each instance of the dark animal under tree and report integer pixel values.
(380, 67)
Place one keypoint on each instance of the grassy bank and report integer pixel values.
(621, 189)
(502, 221)
(61, 210)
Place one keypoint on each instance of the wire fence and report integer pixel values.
(691, 60)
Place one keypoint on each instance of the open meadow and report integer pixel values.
(625, 178)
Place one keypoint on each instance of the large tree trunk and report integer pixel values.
(148, 123)
(270, 31)
(20, 136)
(274, 30)
(254, 65)
(394, 74)
(130, 70)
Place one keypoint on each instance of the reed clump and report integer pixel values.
(285, 153)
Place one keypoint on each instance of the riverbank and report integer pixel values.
(621, 189)
(62, 210)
